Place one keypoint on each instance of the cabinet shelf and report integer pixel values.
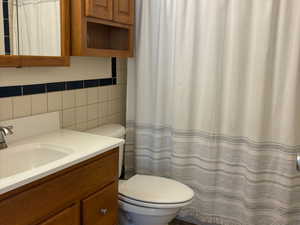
(100, 36)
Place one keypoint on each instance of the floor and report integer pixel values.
(178, 222)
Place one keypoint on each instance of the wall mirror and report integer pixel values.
(8, 28)
(34, 32)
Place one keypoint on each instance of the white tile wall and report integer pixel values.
(54, 101)
(6, 108)
(21, 106)
(81, 97)
(68, 99)
(39, 104)
(92, 94)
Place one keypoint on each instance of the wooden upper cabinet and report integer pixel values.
(102, 9)
(102, 28)
(124, 11)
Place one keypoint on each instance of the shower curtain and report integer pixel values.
(39, 27)
(213, 102)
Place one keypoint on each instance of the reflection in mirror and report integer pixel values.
(8, 27)
(39, 27)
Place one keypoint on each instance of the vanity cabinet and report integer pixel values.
(120, 11)
(101, 207)
(102, 28)
(69, 216)
(84, 194)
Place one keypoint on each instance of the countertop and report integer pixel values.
(83, 147)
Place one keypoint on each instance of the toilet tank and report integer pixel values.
(112, 130)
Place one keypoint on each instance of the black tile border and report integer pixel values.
(12, 91)
(106, 81)
(114, 67)
(71, 85)
(91, 83)
(34, 89)
(57, 86)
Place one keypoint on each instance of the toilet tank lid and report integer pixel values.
(110, 130)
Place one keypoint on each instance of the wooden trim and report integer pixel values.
(45, 60)
(110, 23)
(107, 52)
(63, 60)
(10, 61)
(65, 28)
(78, 28)
(131, 41)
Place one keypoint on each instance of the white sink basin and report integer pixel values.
(26, 157)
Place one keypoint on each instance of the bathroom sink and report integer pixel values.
(22, 158)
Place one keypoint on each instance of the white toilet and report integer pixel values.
(146, 200)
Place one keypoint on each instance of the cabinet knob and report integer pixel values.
(103, 211)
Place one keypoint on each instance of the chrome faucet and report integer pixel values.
(4, 131)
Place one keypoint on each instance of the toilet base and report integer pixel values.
(134, 215)
(126, 218)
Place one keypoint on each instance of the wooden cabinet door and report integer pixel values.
(69, 216)
(124, 11)
(102, 207)
(102, 9)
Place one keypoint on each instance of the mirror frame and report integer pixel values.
(63, 60)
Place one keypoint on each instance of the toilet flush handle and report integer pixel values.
(103, 211)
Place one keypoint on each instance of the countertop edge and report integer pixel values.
(14, 182)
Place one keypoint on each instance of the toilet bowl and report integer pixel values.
(151, 200)
(143, 199)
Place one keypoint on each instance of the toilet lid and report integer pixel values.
(157, 190)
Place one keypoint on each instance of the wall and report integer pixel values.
(82, 68)
(80, 109)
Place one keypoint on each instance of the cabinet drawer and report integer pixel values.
(69, 216)
(102, 207)
(58, 192)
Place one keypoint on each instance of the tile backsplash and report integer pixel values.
(80, 107)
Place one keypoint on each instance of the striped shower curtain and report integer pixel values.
(213, 102)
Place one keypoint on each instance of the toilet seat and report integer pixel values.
(141, 204)
(154, 192)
